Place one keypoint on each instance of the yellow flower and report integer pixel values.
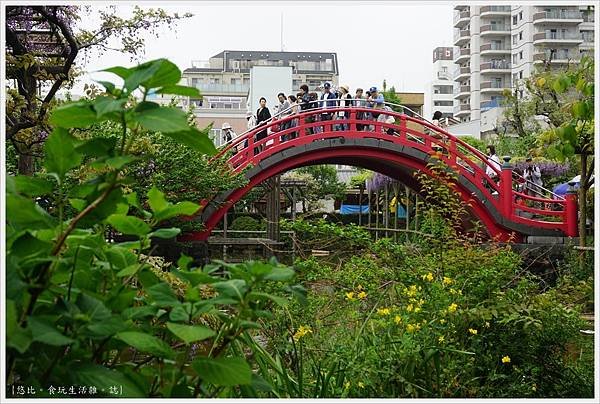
(409, 308)
(350, 296)
(442, 321)
(302, 331)
(347, 385)
(359, 288)
(417, 309)
(397, 319)
(441, 339)
(473, 331)
(361, 385)
(446, 280)
(506, 359)
(384, 312)
(413, 327)
(362, 295)
(487, 324)
(452, 308)
(534, 387)
(452, 291)
(428, 277)
(412, 291)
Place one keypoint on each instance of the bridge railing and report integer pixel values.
(305, 126)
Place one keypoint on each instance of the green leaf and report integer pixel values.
(184, 261)
(31, 186)
(74, 115)
(94, 375)
(580, 110)
(107, 327)
(110, 87)
(11, 318)
(96, 147)
(22, 213)
(46, 332)
(165, 233)
(129, 270)
(104, 105)
(234, 288)
(223, 371)
(95, 310)
(163, 295)
(119, 162)
(179, 90)
(179, 314)
(182, 208)
(190, 333)
(128, 225)
(120, 71)
(156, 200)
(266, 296)
(60, 151)
(167, 74)
(165, 120)
(194, 277)
(78, 204)
(146, 343)
(192, 137)
(280, 274)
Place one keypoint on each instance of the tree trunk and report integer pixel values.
(25, 164)
(583, 201)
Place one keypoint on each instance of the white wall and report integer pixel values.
(268, 81)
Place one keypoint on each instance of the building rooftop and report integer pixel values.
(282, 59)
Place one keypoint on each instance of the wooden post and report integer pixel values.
(225, 235)
(360, 195)
(377, 214)
(293, 208)
(370, 209)
(273, 208)
(406, 225)
(396, 214)
(386, 209)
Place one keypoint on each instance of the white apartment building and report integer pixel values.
(498, 45)
(438, 94)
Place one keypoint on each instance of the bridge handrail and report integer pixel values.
(301, 114)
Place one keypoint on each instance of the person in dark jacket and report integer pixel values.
(262, 115)
(325, 103)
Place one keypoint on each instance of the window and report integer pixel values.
(515, 59)
(515, 76)
(521, 36)
(521, 74)
(194, 82)
(442, 103)
(521, 55)
(225, 102)
(514, 41)
(520, 16)
(514, 20)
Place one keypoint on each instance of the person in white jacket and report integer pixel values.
(533, 178)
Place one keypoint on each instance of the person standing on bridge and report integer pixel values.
(533, 178)
(493, 161)
(262, 115)
(227, 132)
(360, 102)
(345, 101)
(327, 101)
(305, 105)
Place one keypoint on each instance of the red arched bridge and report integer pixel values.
(398, 146)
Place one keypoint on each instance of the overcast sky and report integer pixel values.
(374, 41)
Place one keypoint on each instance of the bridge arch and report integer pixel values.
(395, 149)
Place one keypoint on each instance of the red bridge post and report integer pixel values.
(571, 211)
(506, 194)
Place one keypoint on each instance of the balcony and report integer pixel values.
(462, 92)
(494, 29)
(494, 49)
(241, 89)
(462, 73)
(556, 57)
(569, 38)
(588, 17)
(461, 18)
(461, 37)
(462, 110)
(461, 8)
(492, 87)
(485, 105)
(443, 76)
(462, 55)
(491, 11)
(495, 66)
(558, 16)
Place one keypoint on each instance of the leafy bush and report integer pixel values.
(85, 311)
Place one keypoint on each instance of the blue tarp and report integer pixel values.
(353, 209)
